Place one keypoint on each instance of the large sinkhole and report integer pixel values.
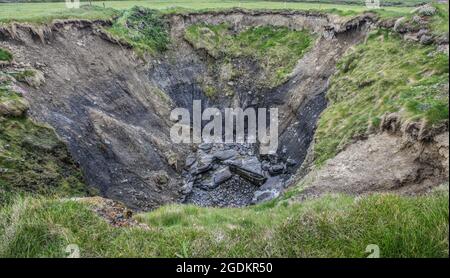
(231, 174)
(112, 107)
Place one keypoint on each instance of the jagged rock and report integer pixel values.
(203, 164)
(425, 10)
(187, 187)
(265, 165)
(276, 169)
(264, 196)
(291, 162)
(426, 39)
(190, 160)
(399, 25)
(249, 169)
(205, 146)
(222, 175)
(225, 154)
(215, 179)
(13, 107)
(207, 184)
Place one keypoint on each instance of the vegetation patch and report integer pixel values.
(32, 158)
(332, 226)
(5, 55)
(142, 28)
(276, 49)
(384, 75)
(439, 21)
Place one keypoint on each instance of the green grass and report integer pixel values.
(142, 28)
(439, 22)
(276, 49)
(45, 12)
(386, 74)
(332, 226)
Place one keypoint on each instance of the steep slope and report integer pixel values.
(112, 107)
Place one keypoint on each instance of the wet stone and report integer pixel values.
(276, 169)
(190, 160)
(187, 188)
(264, 196)
(205, 146)
(291, 162)
(203, 164)
(222, 175)
(225, 154)
(207, 184)
(249, 169)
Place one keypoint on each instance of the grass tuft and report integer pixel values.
(5, 55)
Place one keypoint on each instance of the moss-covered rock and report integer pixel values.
(32, 158)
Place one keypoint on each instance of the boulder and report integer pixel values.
(203, 164)
(250, 169)
(225, 154)
(222, 175)
(264, 196)
(276, 169)
(426, 39)
(190, 159)
(13, 107)
(205, 146)
(426, 10)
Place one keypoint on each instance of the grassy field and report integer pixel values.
(42, 12)
(332, 226)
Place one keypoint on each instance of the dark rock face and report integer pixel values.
(105, 108)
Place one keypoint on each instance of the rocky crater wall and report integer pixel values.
(112, 107)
